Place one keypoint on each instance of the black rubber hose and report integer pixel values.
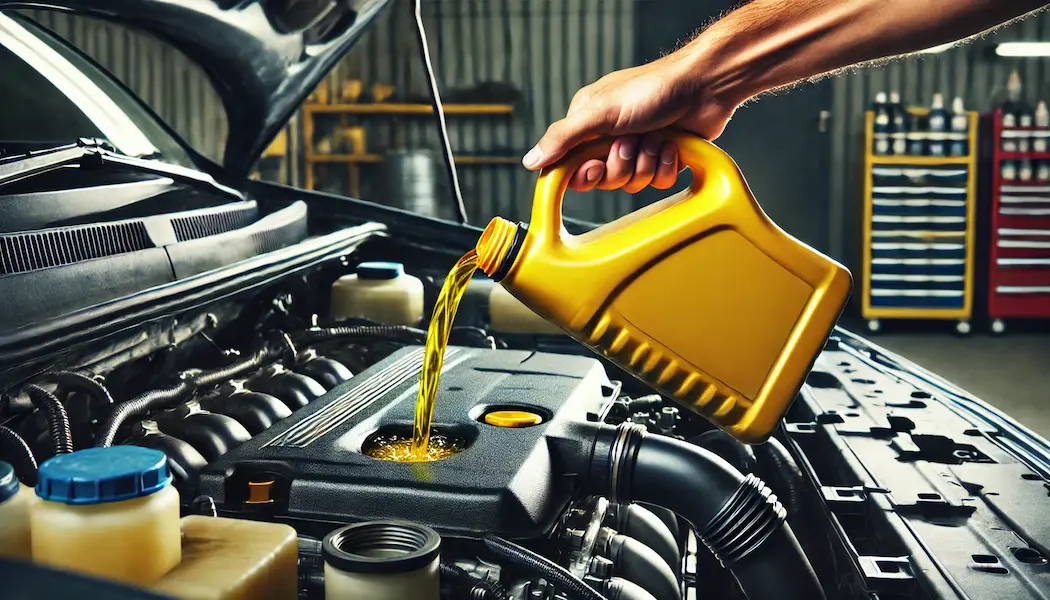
(71, 380)
(776, 462)
(160, 398)
(721, 443)
(389, 333)
(528, 560)
(465, 585)
(621, 589)
(144, 402)
(223, 374)
(15, 451)
(738, 518)
(57, 419)
(640, 523)
(636, 562)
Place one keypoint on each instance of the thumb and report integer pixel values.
(564, 135)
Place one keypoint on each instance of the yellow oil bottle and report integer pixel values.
(700, 295)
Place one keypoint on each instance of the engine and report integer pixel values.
(563, 482)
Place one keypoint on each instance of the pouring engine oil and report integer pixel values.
(399, 448)
(699, 295)
(421, 448)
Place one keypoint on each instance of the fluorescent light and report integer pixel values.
(938, 49)
(1023, 49)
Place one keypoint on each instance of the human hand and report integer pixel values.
(633, 105)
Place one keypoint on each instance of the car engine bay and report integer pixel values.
(266, 407)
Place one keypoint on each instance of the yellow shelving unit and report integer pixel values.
(354, 161)
(921, 269)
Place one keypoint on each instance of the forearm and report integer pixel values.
(768, 44)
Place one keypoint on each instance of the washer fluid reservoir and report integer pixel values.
(109, 512)
(380, 292)
(15, 500)
(699, 295)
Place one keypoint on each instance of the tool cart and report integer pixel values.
(919, 232)
(1019, 258)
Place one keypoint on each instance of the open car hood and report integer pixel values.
(264, 57)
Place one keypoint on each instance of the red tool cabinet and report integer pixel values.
(1019, 260)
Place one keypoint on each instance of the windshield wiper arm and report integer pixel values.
(92, 152)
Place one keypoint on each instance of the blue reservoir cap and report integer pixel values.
(380, 270)
(97, 475)
(8, 482)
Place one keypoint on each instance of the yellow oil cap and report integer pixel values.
(513, 418)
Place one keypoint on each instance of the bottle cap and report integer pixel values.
(938, 101)
(895, 97)
(380, 270)
(98, 475)
(957, 105)
(8, 482)
(880, 98)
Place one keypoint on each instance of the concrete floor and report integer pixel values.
(1010, 372)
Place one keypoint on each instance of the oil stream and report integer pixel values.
(421, 447)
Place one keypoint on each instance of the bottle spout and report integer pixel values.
(498, 247)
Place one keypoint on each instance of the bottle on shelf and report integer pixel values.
(881, 108)
(1008, 170)
(1041, 139)
(1024, 170)
(938, 124)
(960, 125)
(916, 136)
(1024, 140)
(899, 122)
(1042, 170)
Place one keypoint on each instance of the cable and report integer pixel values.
(154, 399)
(439, 113)
(141, 403)
(83, 383)
(57, 418)
(391, 333)
(13, 449)
(530, 561)
(469, 586)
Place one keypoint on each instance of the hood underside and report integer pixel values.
(262, 56)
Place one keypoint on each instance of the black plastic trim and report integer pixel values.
(512, 253)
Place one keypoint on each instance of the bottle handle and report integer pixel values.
(714, 174)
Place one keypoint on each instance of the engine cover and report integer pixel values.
(507, 480)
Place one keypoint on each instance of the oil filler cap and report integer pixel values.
(512, 418)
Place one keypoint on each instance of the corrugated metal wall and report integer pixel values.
(971, 72)
(548, 49)
(172, 85)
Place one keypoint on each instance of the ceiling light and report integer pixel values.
(1023, 49)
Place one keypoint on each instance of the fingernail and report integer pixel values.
(533, 157)
(668, 156)
(628, 148)
(594, 173)
(652, 148)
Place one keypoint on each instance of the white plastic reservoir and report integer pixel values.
(380, 292)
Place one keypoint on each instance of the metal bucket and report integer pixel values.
(415, 180)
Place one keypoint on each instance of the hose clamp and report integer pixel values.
(622, 454)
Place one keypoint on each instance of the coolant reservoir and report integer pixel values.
(508, 315)
(15, 500)
(381, 292)
(234, 559)
(108, 512)
(700, 295)
(381, 560)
